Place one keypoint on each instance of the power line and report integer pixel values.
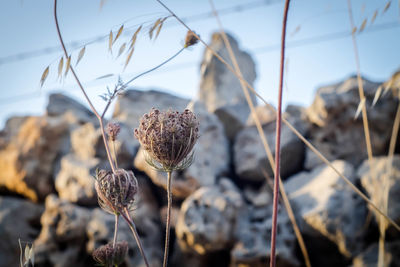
(96, 39)
(257, 50)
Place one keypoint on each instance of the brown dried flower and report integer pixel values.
(108, 256)
(116, 190)
(168, 138)
(113, 130)
(190, 39)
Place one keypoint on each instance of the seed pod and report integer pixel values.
(108, 256)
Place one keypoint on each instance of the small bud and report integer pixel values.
(190, 39)
(116, 191)
(108, 256)
(113, 130)
(168, 138)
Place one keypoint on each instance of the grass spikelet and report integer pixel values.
(110, 41)
(134, 37)
(121, 49)
(386, 7)
(151, 31)
(118, 33)
(44, 76)
(362, 27)
(374, 16)
(60, 67)
(359, 108)
(377, 95)
(128, 58)
(67, 66)
(80, 56)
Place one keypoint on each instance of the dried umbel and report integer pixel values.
(168, 138)
(113, 130)
(110, 256)
(190, 39)
(116, 190)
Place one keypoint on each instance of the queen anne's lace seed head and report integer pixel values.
(168, 138)
(113, 130)
(108, 256)
(116, 190)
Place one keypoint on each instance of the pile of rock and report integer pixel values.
(222, 202)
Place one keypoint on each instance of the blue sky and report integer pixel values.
(319, 53)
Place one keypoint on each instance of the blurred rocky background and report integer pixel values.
(222, 202)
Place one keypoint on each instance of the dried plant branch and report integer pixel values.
(115, 230)
(278, 138)
(290, 126)
(263, 138)
(168, 222)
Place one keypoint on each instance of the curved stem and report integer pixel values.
(132, 226)
(168, 222)
(115, 230)
(278, 140)
(100, 118)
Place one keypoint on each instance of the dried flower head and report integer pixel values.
(168, 138)
(190, 39)
(108, 256)
(113, 130)
(116, 190)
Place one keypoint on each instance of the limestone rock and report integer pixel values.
(207, 219)
(19, 219)
(369, 257)
(374, 181)
(250, 158)
(62, 237)
(87, 143)
(327, 206)
(264, 114)
(60, 104)
(145, 215)
(133, 104)
(218, 86)
(233, 118)
(253, 239)
(75, 181)
(29, 160)
(211, 158)
(336, 134)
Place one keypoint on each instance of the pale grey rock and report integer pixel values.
(264, 114)
(369, 257)
(87, 143)
(132, 104)
(62, 237)
(29, 160)
(60, 104)
(326, 206)
(233, 118)
(218, 86)
(211, 157)
(336, 134)
(253, 239)
(385, 172)
(75, 181)
(145, 215)
(260, 196)
(19, 219)
(207, 220)
(250, 158)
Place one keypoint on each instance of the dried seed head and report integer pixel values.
(190, 39)
(168, 138)
(113, 130)
(108, 256)
(116, 190)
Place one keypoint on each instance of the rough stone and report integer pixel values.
(218, 86)
(233, 118)
(60, 104)
(29, 161)
(264, 114)
(326, 206)
(336, 134)
(75, 181)
(62, 237)
(211, 157)
(207, 220)
(383, 173)
(145, 215)
(132, 104)
(251, 162)
(19, 219)
(253, 239)
(369, 257)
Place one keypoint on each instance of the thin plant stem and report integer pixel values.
(115, 229)
(100, 118)
(125, 214)
(287, 123)
(115, 154)
(278, 140)
(168, 222)
(263, 139)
